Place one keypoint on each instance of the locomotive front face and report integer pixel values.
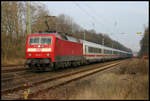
(39, 47)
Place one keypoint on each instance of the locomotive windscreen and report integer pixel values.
(40, 40)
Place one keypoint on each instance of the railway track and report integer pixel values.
(13, 73)
(12, 65)
(53, 82)
(18, 75)
(14, 79)
(9, 79)
(13, 68)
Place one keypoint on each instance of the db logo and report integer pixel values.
(38, 49)
(38, 54)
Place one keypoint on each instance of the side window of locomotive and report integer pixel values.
(31, 40)
(49, 40)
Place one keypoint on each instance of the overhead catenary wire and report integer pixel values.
(98, 16)
(91, 16)
(84, 11)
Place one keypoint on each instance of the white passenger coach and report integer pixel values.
(96, 52)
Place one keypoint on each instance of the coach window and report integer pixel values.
(116, 53)
(89, 49)
(86, 49)
(111, 52)
(108, 51)
(93, 50)
(96, 50)
(100, 50)
(105, 51)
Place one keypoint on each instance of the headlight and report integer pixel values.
(29, 54)
(47, 54)
(31, 49)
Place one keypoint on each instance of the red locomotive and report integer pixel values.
(47, 51)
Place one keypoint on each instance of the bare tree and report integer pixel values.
(144, 43)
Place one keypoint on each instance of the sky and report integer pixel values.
(120, 20)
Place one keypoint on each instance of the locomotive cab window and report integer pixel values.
(34, 40)
(40, 40)
(45, 40)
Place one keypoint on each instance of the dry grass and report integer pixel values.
(130, 81)
(134, 66)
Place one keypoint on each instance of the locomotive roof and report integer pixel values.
(60, 35)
